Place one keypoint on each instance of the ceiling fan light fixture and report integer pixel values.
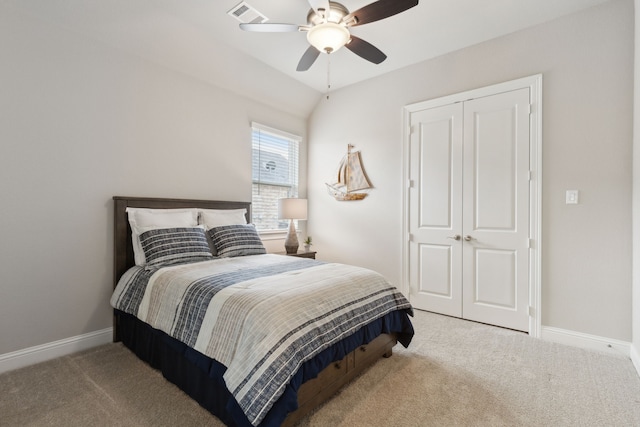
(328, 37)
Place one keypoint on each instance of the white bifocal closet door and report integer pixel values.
(469, 209)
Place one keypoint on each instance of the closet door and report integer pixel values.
(435, 251)
(469, 209)
(495, 224)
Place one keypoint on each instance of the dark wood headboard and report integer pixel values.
(122, 245)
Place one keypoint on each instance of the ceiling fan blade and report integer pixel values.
(319, 4)
(269, 27)
(308, 58)
(378, 10)
(365, 50)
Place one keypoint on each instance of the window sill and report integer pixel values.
(273, 234)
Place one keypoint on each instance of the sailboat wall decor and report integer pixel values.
(351, 178)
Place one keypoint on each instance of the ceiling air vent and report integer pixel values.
(247, 14)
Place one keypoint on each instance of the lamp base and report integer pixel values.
(291, 243)
(291, 249)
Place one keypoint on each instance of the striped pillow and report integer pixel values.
(236, 240)
(167, 246)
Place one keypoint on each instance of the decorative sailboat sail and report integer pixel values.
(350, 179)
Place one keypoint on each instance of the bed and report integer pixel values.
(240, 390)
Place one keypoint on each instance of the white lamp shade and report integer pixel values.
(328, 37)
(292, 208)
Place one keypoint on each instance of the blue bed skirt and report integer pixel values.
(201, 377)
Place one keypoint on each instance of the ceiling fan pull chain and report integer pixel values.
(328, 74)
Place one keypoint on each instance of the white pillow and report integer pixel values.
(211, 218)
(145, 219)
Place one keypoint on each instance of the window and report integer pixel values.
(274, 174)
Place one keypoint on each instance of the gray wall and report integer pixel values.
(79, 123)
(587, 64)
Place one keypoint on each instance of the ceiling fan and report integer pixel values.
(328, 28)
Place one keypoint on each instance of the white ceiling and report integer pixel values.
(198, 36)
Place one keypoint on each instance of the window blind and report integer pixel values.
(275, 170)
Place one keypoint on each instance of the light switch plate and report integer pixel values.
(572, 197)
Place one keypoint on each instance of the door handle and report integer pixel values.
(454, 237)
(468, 238)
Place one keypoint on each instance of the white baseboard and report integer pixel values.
(591, 342)
(41, 353)
(635, 358)
(44, 352)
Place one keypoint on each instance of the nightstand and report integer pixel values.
(301, 254)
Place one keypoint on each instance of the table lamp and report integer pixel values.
(291, 208)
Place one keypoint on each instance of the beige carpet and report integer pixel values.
(455, 373)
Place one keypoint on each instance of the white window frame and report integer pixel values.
(292, 189)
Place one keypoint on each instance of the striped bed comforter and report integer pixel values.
(261, 316)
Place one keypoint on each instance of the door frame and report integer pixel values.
(534, 84)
